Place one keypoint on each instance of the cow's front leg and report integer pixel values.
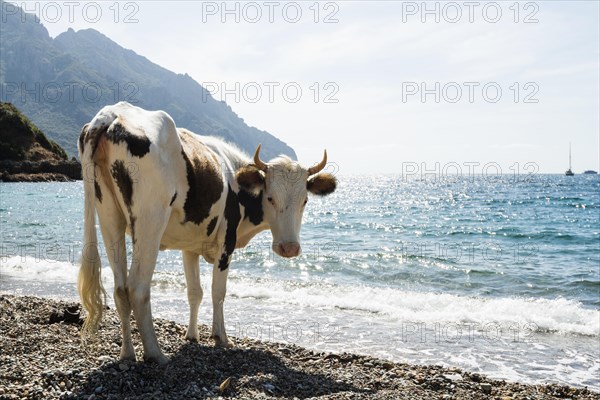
(191, 264)
(219, 288)
(138, 285)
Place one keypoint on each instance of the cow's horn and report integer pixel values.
(319, 166)
(258, 162)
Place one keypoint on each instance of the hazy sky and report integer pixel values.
(515, 82)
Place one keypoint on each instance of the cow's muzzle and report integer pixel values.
(287, 249)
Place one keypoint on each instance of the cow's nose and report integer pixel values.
(289, 249)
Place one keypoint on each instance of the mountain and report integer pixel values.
(26, 154)
(61, 84)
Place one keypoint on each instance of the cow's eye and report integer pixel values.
(305, 201)
(270, 200)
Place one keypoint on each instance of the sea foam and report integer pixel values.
(558, 315)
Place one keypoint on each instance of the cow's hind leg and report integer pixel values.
(112, 224)
(147, 231)
(219, 288)
(191, 264)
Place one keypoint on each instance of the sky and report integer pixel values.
(385, 86)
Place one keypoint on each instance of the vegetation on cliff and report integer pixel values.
(26, 154)
(21, 140)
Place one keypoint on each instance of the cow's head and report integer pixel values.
(285, 185)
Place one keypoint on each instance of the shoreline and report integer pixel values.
(42, 357)
(40, 171)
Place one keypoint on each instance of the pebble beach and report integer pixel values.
(42, 357)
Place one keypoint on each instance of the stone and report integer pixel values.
(486, 388)
(453, 377)
(223, 386)
(269, 387)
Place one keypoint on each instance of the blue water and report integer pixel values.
(498, 275)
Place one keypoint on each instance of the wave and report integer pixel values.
(544, 315)
(31, 268)
(560, 315)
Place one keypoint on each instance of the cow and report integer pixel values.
(168, 188)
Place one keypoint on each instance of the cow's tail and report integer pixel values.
(89, 283)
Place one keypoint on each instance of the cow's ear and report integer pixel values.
(322, 184)
(251, 179)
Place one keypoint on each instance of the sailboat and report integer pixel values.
(569, 172)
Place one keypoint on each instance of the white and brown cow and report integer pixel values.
(171, 189)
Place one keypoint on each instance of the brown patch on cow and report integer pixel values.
(82, 138)
(211, 226)
(203, 175)
(101, 150)
(97, 191)
(124, 182)
(232, 216)
(92, 136)
(250, 179)
(322, 184)
(252, 204)
(132, 220)
(135, 138)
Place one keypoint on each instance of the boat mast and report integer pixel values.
(569, 156)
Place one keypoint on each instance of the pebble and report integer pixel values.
(387, 364)
(269, 387)
(453, 377)
(223, 386)
(486, 387)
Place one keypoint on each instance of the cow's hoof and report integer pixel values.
(127, 354)
(127, 357)
(158, 359)
(226, 344)
(192, 336)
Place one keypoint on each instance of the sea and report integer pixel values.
(496, 275)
